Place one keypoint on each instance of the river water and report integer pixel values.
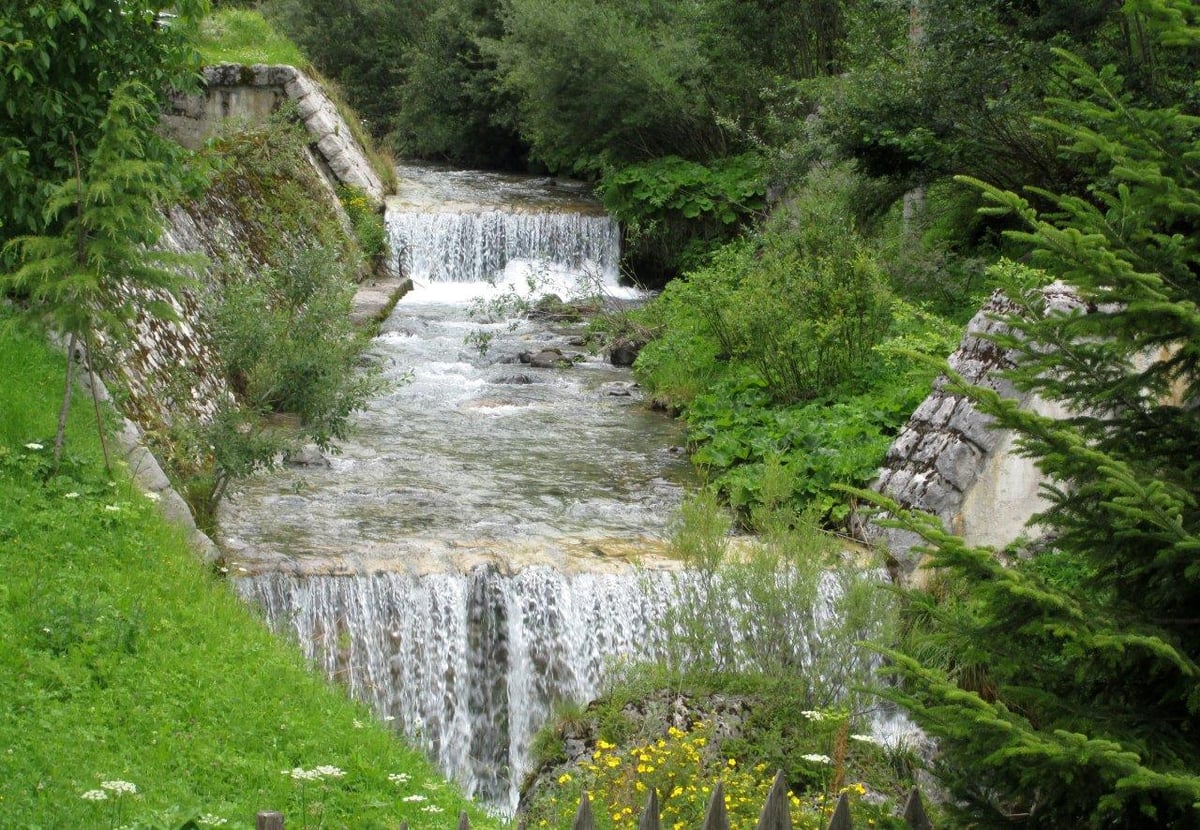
(467, 558)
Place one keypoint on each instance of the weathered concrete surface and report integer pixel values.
(251, 94)
(376, 298)
(948, 459)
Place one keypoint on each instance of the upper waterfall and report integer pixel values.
(447, 229)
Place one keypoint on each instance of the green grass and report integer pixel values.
(244, 36)
(123, 658)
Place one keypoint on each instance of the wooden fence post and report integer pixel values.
(649, 819)
(840, 820)
(776, 813)
(717, 817)
(464, 821)
(584, 820)
(268, 820)
(914, 812)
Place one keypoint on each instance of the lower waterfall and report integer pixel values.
(470, 665)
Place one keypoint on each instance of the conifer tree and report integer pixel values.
(102, 267)
(1065, 691)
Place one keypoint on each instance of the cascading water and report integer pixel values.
(464, 561)
(471, 664)
(445, 227)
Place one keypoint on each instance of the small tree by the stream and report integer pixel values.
(101, 269)
(1063, 689)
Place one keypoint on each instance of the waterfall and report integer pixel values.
(470, 665)
(478, 245)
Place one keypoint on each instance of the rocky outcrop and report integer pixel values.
(948, 459)
(252, 93)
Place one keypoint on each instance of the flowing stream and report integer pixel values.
(464, 561)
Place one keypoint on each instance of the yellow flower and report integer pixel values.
(612, 761)
(603, 744)
(564, 778)
(732, 762)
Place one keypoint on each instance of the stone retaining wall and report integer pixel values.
(252, 93)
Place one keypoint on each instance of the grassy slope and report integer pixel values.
(123, 658)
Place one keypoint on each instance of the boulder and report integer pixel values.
(623, 352)
(546, 359)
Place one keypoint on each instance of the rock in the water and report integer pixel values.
(624, 352)
(513, 379)
(547, 359)
(307, 456)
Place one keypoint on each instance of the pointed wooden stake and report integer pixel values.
(717, 817)
(464, 821)
(775, 814)
(840, 820)
(649, 819)
(584, 820)
(914, 812)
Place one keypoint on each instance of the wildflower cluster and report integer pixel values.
(684, 767)
(315, 774)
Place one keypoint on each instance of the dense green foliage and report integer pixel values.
(125, 659)
(1064, 692)
(787, 347)
(61, 64)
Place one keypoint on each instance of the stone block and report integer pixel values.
(146, 471)
(958, 463)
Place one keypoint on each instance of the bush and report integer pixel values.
(287, 343)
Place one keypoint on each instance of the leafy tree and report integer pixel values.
(1064, 690)
(606, 83)
(358, 43)
(101, 271)
(60, 64)
(451, 104)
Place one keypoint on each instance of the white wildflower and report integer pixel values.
(326, 771)
(866, 739)
(816, 758)
(119, 787)
(71, 495)
(358, 724)
(209, 820)
(399, 777)
(813, 715)
(414, 797)
(431, 808)
(94, 795)
(153, 496)
(302, 774)
(33, 445)
(112, 508)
